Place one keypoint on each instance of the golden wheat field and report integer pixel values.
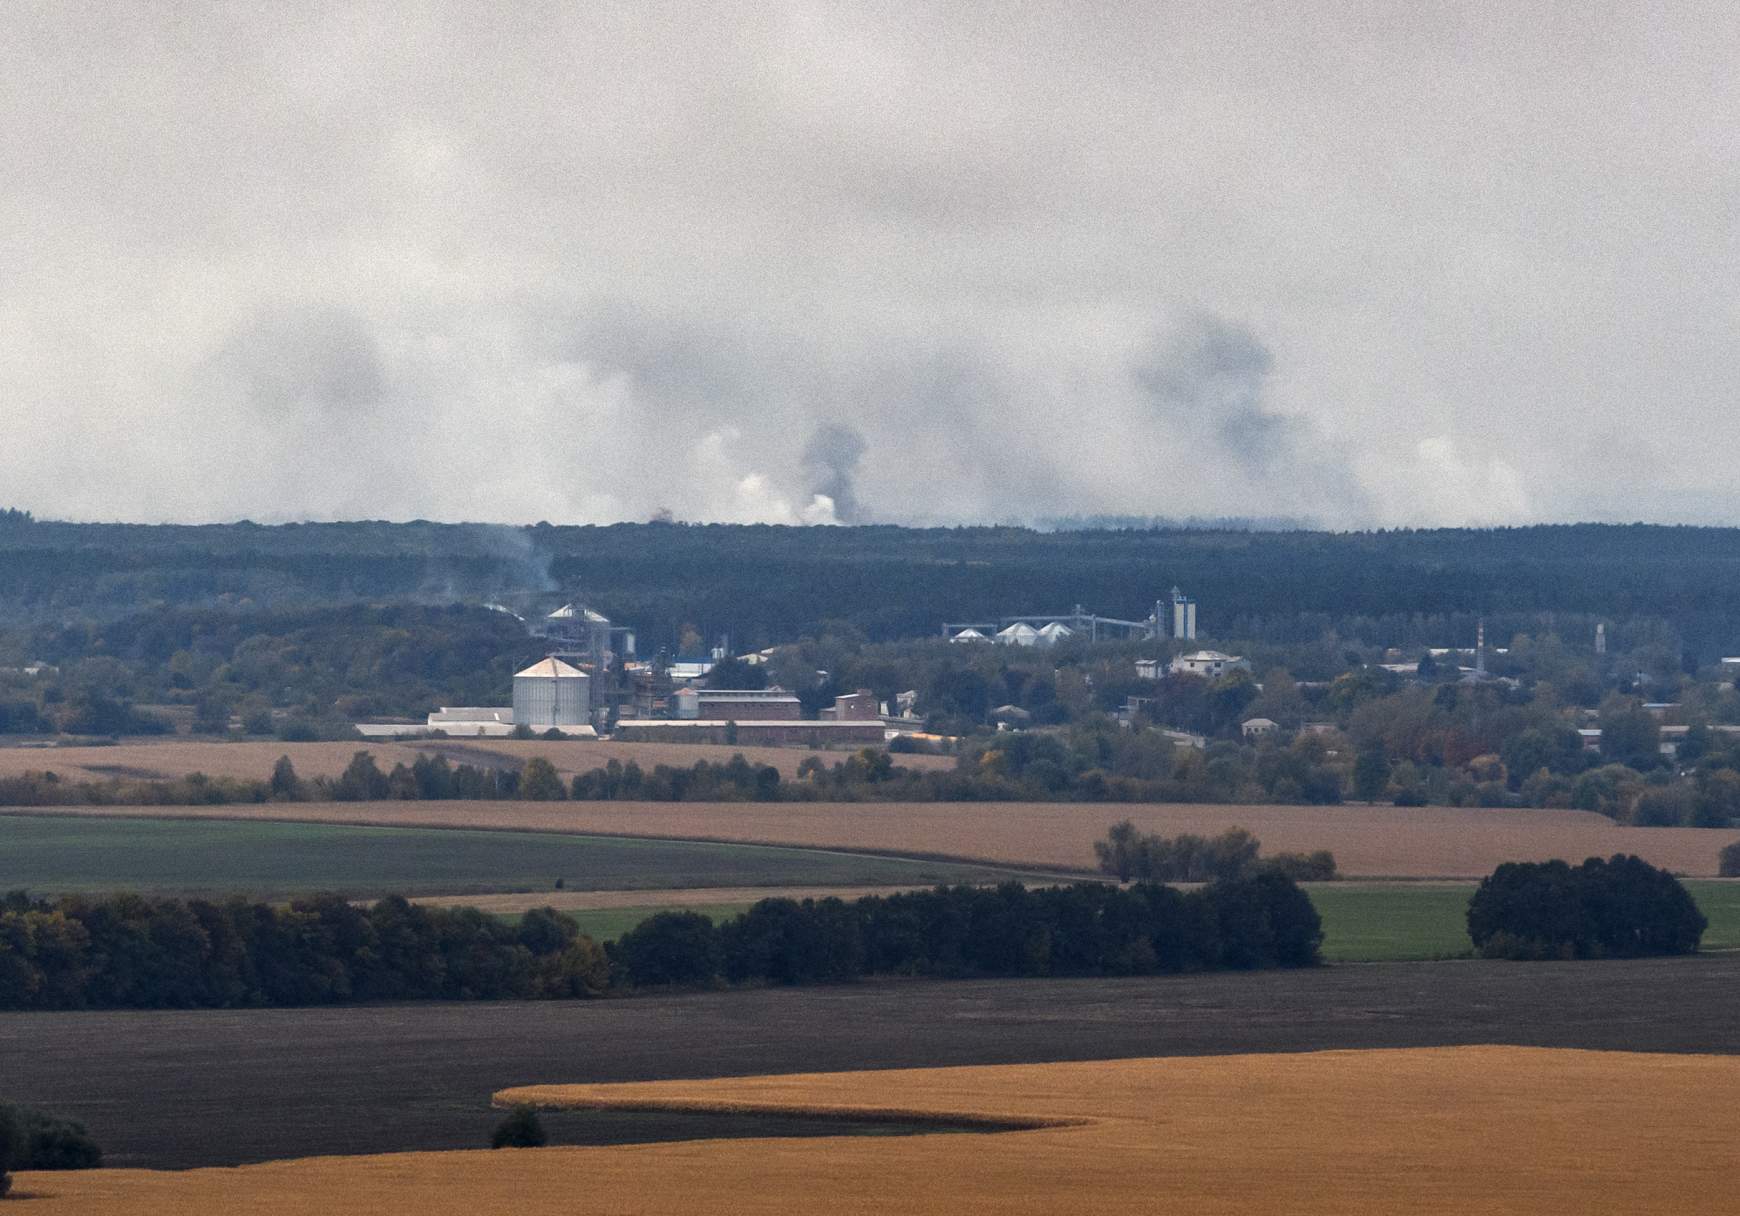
(1433, 1131)
(154, 760)
(1368, 841)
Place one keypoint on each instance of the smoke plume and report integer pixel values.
(1209, 379)
(831, 466)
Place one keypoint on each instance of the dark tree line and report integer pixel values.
(131, 951)
(1263, 920)
(1622, 907)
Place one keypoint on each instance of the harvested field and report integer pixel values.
(152, 1085)
(271, 860)
(1450, 1130)
(1368, 841)
(254, 758)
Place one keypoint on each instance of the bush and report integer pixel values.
(1127, 854)
(1318, 866)
(11, 1138)
(1619, 908)
(45, 1142)
(670, 948)
(31, 1140)
(1728, 865)
(520, 1129)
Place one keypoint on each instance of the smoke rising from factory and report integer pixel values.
(805, 263)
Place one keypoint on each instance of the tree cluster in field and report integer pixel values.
(1728, 863)
(1127, 855)
(32, 1140)
(1621, 907)
(131, 951)
(1082, 929)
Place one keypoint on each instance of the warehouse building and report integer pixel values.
(736, 704)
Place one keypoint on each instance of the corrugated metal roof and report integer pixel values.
(568, 612)
(551, 667)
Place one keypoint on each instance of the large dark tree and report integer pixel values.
(1622, 907)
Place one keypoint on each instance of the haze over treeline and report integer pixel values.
(1679, 586)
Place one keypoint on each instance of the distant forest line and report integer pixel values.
(765, 584)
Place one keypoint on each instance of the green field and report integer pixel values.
(1371, 922)
(1362, 922)
(47, 855)
(1392, 921)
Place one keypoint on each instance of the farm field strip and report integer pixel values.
(1433, 1131)
(165, 758)
(270, 859)
(390, 1078)
(1368, 841)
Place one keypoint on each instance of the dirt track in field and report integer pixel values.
(182, 1088)
(1368, 841)
(157, 760)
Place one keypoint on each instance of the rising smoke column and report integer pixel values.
(1209, 378)
(831, 468)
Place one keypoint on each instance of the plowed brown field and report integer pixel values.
(254, 758)
(1368, 841)
(1448, 1130)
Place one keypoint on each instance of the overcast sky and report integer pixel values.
(1366, 264)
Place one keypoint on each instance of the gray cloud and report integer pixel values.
(831, 459)
(321, 364)
(575, 263)
(1207, 378)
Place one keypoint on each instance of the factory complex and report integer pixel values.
(590, 683)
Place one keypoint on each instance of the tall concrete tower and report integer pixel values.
(1601, 638)
(1183, 616)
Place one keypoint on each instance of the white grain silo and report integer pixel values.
(551, 693)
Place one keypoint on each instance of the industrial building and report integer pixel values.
(1183, 616)
(1209, 664)
(578, 632)
(551, 693)
(787, 733)
(857, 706)
(1175, 619)
(736, 704)
(548, 695)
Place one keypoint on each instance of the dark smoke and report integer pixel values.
(831, 464)
(1208, 379)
